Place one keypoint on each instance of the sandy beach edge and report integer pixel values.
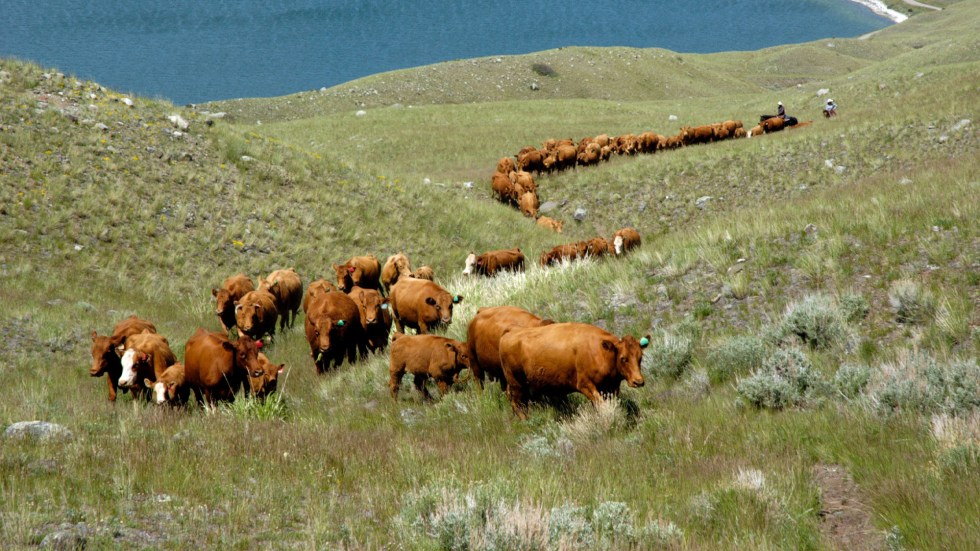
(879, 7)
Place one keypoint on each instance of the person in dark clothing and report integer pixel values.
(781, 112)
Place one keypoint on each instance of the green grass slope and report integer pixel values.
(814, 323)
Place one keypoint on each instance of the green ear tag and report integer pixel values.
(456, 299)
(384, 306)
(644, 342)
(340, 323)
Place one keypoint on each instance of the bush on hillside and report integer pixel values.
(786, 379)
(735, 356)
(816, 320)
(670, 358)
(921, 383)
(850, 380)
(912, 303)
(854, 307)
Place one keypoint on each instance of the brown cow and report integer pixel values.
(145, 355)
(568, 251)
(697, 134)
(506, 165)
(529, 204)
(362, 271)
(565, 157)
(772, 124)
(648, 142)
(397, 265)
(561, 358)
(491, 262)
(287, 288)
(375, 317)
(530, 159)
(550, 223)
(256, 314)
(426, 356)
(424, 272)
(333, 330)
(263, 381)
(215, 368)
(316, 289)
(596, 247)
(523, 182)
(740, 133)
(421, 305)
(105, 357)
(170, 387)
(483, 338)
(504, 188)
(625, 240)
(233, 288)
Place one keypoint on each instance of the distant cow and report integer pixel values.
(145, 355)
(550, 223)
(491, 262)
(362, 271)
(256, 314)
(596, 247)
(529, 204)
(426, 356)
(215, 368)
(625, 240)
(316, 289)
(506, 165)
(504, 188)
(397, 265)
(170, 387)
(232, 289)
(562, 358)
(483, 338)
(105, 354)
(334, 331)
(421, 305)
(568, 251)
(424, 272)
(523, 182)
(375, 317)
(772, 124)
(287, 288)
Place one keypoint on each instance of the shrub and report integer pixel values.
(735, 356)
(569, 527)
(671, 358)
(911, 302)
(660, 533)
(591, 423)
(544, 69)
(816, 321)
(919, 382)
(850, 380)
(786, 379)
(854, 307)
(612, 520)
(274, 406)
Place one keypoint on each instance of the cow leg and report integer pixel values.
(518, 402)
(423, 328)
(112, 387)
(419, 382)
(443, 387)
(395, 382)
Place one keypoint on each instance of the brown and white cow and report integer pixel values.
(105, 357)
(256, 314)
(215, 368)
(491, 262)
(362, 271)
(625, 240)
(483, 338)
(232, 289)
(375, 317)
(170, 387)
(562, 358)
(334, 331)
(426, 356)
(287, 288)
(145, 355)
(421, 305)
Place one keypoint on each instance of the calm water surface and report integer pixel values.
(198, 50)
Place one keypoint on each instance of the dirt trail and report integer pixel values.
(845, 521)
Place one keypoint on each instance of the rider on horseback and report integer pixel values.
(830, 109)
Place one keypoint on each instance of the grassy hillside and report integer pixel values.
(814, 323)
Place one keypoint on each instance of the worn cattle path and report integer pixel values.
(845, 520)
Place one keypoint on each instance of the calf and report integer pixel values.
(562, 358)
(105, 354)
(483, 338)
(425, 272)
(144, 356)
(426, 356)
(568, 251)
(215, 368)
(333, 330)
(263, 381)
(286, 288)
(421, 305)
(550, 223)
(170, 387)
(375, 317)
(232, 289)
(396, 266)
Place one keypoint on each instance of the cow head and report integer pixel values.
(246, 353)
(628, 353)
(166, 388)
(133, 361)
(460, 354)
(104, 354)
(470, 264)
(263, 381)
(442, 304)
(618, 244)
(325, 331)
(346, 275)
(223, 301)
(373, 305)
(248, 315)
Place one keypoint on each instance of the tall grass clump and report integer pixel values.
(912, 303)
(853, 307)
(735, 356)
(671, 357)
(592, 423)
(921, 383)
(273, 407)
(816, 320)
(851, 380)
(786, 379)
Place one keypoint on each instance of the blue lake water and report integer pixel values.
(191, 51)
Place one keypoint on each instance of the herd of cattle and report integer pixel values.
(353, 317)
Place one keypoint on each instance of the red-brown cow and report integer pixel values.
(421, 305)
(625, 240)
(483, 338)
(105, 356)
(550, 223)
(566, 252)
(362, 271)
(145, 355)
(425, 272)
(562, 358)
(375, 317)
(772, 124)
(426, 356)
(287, 288)
(506, 165)
(215, 368)
(333, 330)
(170, 387)
(256, 314)
(396, 266)
(316, 289)
(596, 247)
(504, 188)
(232, 289)
(263, 381)
(491, 262)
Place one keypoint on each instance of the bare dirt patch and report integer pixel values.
(845, 518)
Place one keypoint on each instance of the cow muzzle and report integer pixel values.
(637, 383)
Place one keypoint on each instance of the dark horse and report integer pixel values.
(790, 121)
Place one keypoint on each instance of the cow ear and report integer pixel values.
(609, 345)
(94, 336)
(148, 383)
(430, 301)
(227, 345)
(214, 292)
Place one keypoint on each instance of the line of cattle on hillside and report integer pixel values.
(353, 318)
(513, 181)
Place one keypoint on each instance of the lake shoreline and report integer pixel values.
(879, 8)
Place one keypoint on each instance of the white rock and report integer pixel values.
(78, 247)
(672, 118)
(178, 122)
(426, 181)
(40, 430)
(178, 134)
(360, 113)
(247, 159)
(829, 163)
(127, 101)
(960, 125)
(823, 92)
